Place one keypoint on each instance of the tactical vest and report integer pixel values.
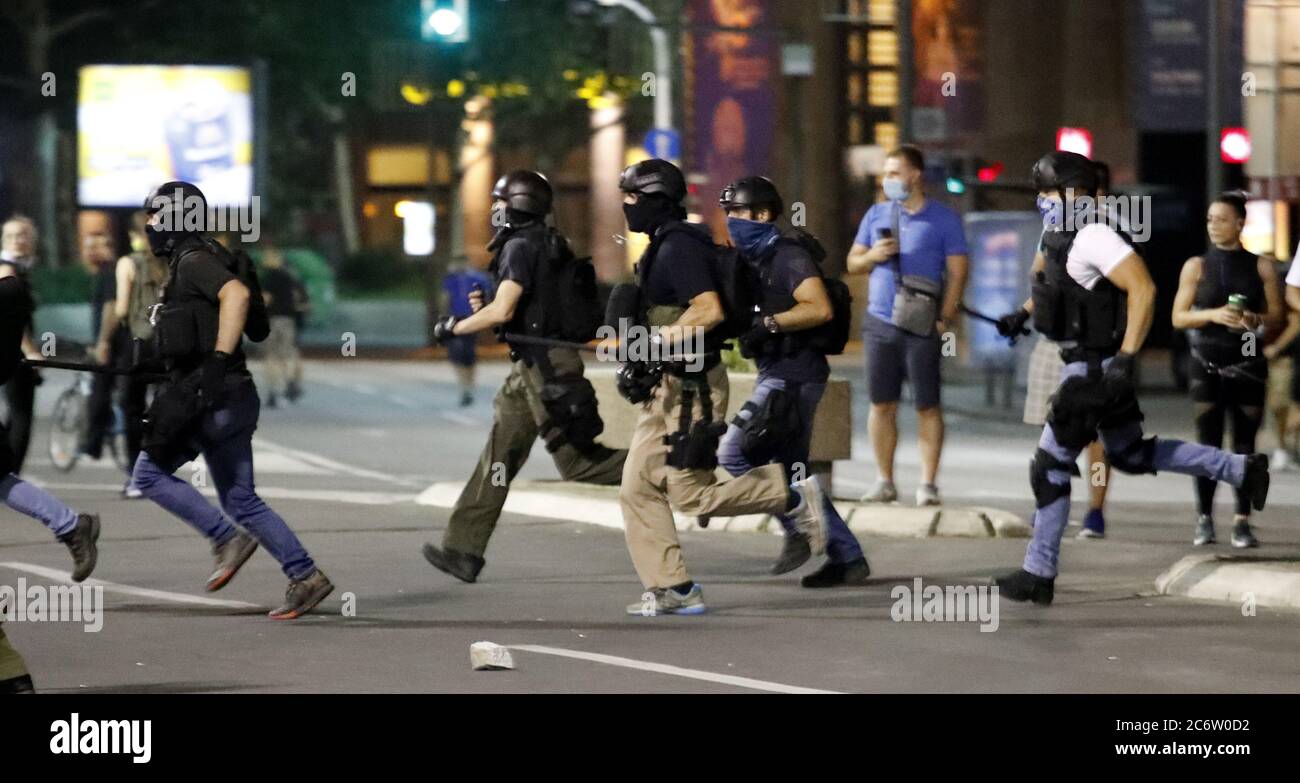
(1066, 312)
(1224, 273)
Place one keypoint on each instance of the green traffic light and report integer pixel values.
(956, 186)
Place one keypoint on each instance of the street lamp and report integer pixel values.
(444, 20)
(663, 88)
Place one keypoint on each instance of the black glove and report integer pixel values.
(442, 330)
(1118, 376)
(636, 381)
(212, 378)
(1012, 325)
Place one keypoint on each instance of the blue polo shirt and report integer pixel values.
(928, 237)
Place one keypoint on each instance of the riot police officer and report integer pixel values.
(210, 405)
(670, 465)
(1093, 295)
(788, 343)
(545, 394)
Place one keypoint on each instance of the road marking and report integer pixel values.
(459, 418)
(139, 592)
(661, 668)
(330, 464)
(273, 493)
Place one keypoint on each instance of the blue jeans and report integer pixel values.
(841, 546)
(225, 439)
(1175, 456)
(29, 499)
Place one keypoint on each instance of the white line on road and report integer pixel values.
(459, 418)
(325, 462)
(660, 668)
(139, 592)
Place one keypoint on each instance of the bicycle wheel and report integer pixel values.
(65, 429)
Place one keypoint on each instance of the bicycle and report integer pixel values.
(69, 420)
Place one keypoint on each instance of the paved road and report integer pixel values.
(344, 465)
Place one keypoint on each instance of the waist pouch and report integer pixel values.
(170, 422)
(176, 332)
(764, 427)
(570, 404)
(694, 446)
(916, 305)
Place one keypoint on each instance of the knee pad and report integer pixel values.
(1045, 491)
(1139, 457)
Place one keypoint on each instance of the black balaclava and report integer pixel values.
(651, 211)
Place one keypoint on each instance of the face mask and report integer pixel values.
(896, 191)
(138, 243)
(645, 215)
(23, 262)
(1052, 211)
(499, 219)
(160, 242)
(752, 238)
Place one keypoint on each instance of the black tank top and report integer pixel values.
(1223, 273)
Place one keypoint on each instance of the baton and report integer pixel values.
(977, 315)
(547, 342)
(95, 368)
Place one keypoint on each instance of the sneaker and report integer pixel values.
(293, 392)
(466, 400)
(838, 574)
(1242, 537)
(81, 543)
(668, 601)
(1281, 460)
(272, 401)
(303, 595)
(130, 491)
(461, 565)
(927, 495)
(1024, 586)
(229, 557)
(794, 553)
(1094, 525)
(810, 515)
(1204, 531)
(1255, 485)
(885, 492)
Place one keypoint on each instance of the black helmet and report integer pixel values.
(184, 211)
(1060, 170)
(753, 192)
(175, 196)
(654, 176)
(525, 191)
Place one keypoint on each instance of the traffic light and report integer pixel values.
(1234, 145)
(444, 20)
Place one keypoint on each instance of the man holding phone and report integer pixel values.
(915, 252)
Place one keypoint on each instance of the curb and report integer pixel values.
(597, 505)
(1238, 580)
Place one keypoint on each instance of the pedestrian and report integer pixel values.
(788, 342)
(1229, 301)
(210, 404)
(672, 460)
(280, 289)
(462, 350)
(1094, 296)
(17, 258)
(545, 394)
(915, 251)
(108, 338)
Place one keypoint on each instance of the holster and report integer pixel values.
(570, 403)
(694, 446)
(764, 427)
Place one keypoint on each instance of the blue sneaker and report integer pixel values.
(1094, 525)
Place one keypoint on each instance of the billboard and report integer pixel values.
(141, 125)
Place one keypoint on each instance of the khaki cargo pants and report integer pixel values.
(518, 419)
(652, 490)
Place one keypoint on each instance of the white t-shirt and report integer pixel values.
(1097, 249)
(1293, 277)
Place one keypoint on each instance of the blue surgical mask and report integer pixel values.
(896, 191)
(753, 238)
(1053, 212)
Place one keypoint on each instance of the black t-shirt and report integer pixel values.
(105, 293)
(681, 268)
(15, 312)
(280, 285)
(516, 260)
(199, 277)
(782, 272)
